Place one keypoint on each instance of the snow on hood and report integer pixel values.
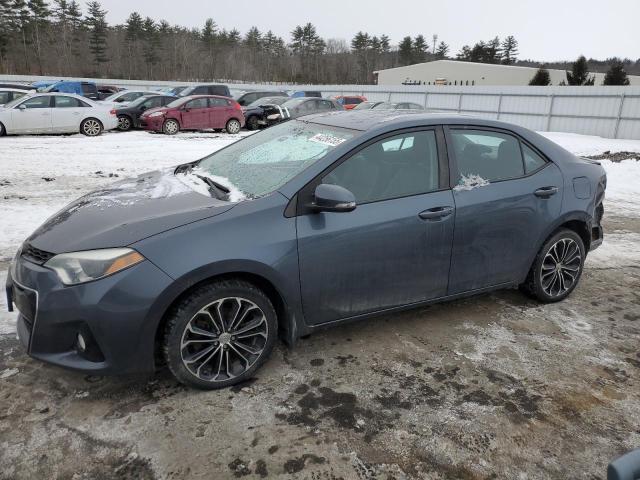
(191, 179)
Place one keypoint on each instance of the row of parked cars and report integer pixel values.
(89, 108)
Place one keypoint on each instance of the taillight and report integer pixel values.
(238, 106)
(112, 112)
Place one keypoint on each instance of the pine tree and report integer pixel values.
(616, 75)
(464, 54)
(541, 77)
(5, 26)
(420, 48)
(579, 74)
(509, 50)
(442, 51)
(385, 44)
(492, 52)
(253, 38)
(151, 44)
(97, 33)
(405, 51)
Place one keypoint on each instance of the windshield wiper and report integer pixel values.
(220, 190)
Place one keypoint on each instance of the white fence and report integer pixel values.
(612, 112)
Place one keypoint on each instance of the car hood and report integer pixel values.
(126, 212)
(155, 109)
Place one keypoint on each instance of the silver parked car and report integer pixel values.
(56, 113)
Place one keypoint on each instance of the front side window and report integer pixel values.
(265, 161)
(394, 167)
(37, 102)
(492, 156)
(197, 103)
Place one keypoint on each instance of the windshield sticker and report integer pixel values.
(327, 139)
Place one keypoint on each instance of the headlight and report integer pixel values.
(80, 267)
(156, 114)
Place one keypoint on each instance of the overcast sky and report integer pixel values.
(546, 29)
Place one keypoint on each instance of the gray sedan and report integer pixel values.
(314, 222)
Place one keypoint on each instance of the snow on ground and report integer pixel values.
(41, 174)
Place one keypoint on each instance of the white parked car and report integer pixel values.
(9, 94)
(56, 113)
(126, 96)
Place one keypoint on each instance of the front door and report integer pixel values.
(195, 114)
(507, 196)
(35, 117)
(394, 248)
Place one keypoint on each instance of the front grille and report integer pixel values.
(35, 255)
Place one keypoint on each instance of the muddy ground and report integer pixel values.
(493, 387)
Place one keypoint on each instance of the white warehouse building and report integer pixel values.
(452, 72)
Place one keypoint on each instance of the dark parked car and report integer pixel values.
(105, 91)
(18, 86)
(129, 114)
(301, 226)
(199, 112)
(254, 113)
(221, 90)
(247, 98)
(398, 106)
(297, 107)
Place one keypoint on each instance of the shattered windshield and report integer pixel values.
(263, 162)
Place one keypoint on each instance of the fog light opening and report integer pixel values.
(82, 344)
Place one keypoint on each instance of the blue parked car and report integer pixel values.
(85, 89)
(314, 222)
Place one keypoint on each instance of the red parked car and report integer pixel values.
(349, 102)
(197, 112)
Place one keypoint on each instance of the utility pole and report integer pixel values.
(435, 41)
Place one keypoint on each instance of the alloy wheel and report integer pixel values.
(224, 339)
(233, 126)
(560, 267)
(91, 127)
(124, 123)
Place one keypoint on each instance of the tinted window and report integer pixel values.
(129, 97)
(68, 102)
(248, 98)
(532, 161)
(324, 105)
(37, 102)
(5, 97)
(395, 167)
(218, 102)
(219, 90)
(197, 103)
(352, 101)
(491, 155)
(199, 91)
(88, 88)
(153, 102)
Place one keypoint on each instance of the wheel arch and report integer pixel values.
(182, 288)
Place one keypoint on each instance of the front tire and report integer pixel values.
(91, 127)
(171, 127)
(220, 334)
(252, 123)
(124, 123)
(557, 268)
(233, 126)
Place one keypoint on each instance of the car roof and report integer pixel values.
(7, 89)
(368, 119)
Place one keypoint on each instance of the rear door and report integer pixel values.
(35, 117)
(504, 202)
(66, 114)
(196, 114)
(218, 112)
(394, 248)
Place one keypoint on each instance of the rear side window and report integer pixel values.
(68, 102)
(218, 102)
(5, 97)
(491, 155)
(199, 91)
(219, 90)
(352, 101)
(393, 167)
(532, 161)
(197, 103)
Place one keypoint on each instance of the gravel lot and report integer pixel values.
(493, 387)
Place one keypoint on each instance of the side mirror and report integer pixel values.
(22, 106)
(333, 198)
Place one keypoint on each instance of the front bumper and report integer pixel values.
(153, 124)
(113, 314)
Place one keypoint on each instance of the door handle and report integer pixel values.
(436, 213)
(545, 192)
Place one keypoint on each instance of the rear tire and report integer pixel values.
(91, 127)
(3, 131)
(220, 334)
(252, 123)
(233, 126)
(557, 268)
(170, 127)
(124, 123)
